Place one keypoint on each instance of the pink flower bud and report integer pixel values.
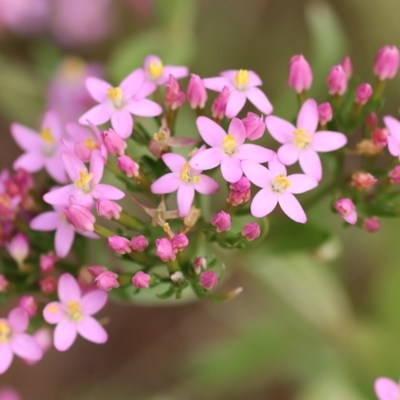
(325, 113)
(254, 126)
(219, 105)
(23, 180)
(3, 283)
(300, 74)
(96, 270)
(251, 231)
(363, 93)
(199, 263)
(208, 279)
(372, 120)
(80, 218)
(379, 137)
(347, 66)
(139, 243)
(43, 338)
(363, 180)
(107, 280)
(115, 145)
(347, 209)
(179, 241)
(222, 221)
(108, 209)
(242, 185)
(164, 250)
(119, 244)
(29, 305)
(8, 207)
(386, 62)
(337, 80)
(141, 280)
(19, 248)
(394, 174)
(127, 165)
(47, 262)
(48, 284)
(196, 92)
(174, 97)
(371, 224)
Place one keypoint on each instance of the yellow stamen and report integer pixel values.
(280, 183)
(53, 308)
(73, 68)
(155, 69)
(166, 227)
(47, 136)
(241, 78)
(301, 138)
(196, 179)
(5, 332)
(161, 136)
(90, 143)
(185, 176)
(116, 95)
(229, 144)
(84, 179)
(74, 311)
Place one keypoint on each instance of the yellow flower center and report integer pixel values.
(155, 69)
(301, 138)
(229, 144)
(73, 68)
(280, 183)
(74, 311)
(116, 95)
(241, 78)
(5, 332)
(4, 200)
(160, 137)
(90, 143)
(47, 136)
(186, 176)
(84, 179)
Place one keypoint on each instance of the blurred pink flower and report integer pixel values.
(9, 393)
(387, 389)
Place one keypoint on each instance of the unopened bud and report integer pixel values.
(139, 243)
(371, 224)
(119, 244)
(346, 208)
(251, 231)
(108, 209)
(115, 145)
(127, 165)
(107, 280)
(325, 113)
(29, 305)
(254, 126)
(300, 74)
(208, 279)
(141, 280)
(222, 221)
(337, 80)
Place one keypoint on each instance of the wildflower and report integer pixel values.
(242, 85)
(47, 261)
(325, 113)
(387, 62)
(19, 248)
(239, 192)
(29, 305)
(198, 264)
(227, 149)
(3, 283)
(79, 217)
(386, 389)
(196, 92)
(164, 250)
(379, 137)
(371, 224)
(254, 126)
(337, 80)
(218, 107)
(394, 174)
(372, 120)
(127, 165)
(141, 280)
(14, 340)
(73, 314)
(251, 231)
(208, 279)
(300, 74)
(96, 270)
(222, 221)
(114, 144)
(346, 208)
(302, 143)
(119, 244)
(44, 338)
(42, 150)
(139, 243)
(347, 66)
(177, 277)
(107, 280)
(108, 209)
(179, 242)
(174, 96)
(393, 139)
(8, 393)
(48, 284)
(184, 179)
(277, 187)
(363, 93)
(363, 180)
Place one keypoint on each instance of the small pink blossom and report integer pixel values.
(242, 85)
(96, 270)
(119, 244)
(300, 74)
(174, 95)
(302, 143)
(386, 389)
(164, 250)
(394, 174)
(73, 314)
(114, 144)
(277, 187)
(19, 248)
(196, 92)
(387, 62)
(337, 80)
(108, 209)
(79, 216)
(141, 280)
(127, 165)
(179, 242)
(14, 340)
(251, 231)
(47, 261)
(363, 180)
(393, 139)
(254, 126)
(372, 224)
(48, 284)
(199, 263)
(3, 283)
(44, 338)
(139, 243)
(347, 66)
(9, 393)
(379, 137)
(107, 280)
(218, 107)
(325, 113)
(363, 93)
(208, 279)
(222, 221)
(346, 208)
(372, 120)
(29, 305)
(227, 149)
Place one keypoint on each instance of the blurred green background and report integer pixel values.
(310, 325)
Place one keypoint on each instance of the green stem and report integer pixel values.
(102, 231)
(301, 97)
(130, 222)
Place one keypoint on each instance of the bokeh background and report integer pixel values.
(310, 325)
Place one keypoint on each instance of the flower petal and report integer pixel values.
(216, 84)
(308, 116)
(26, 138)
(263, 203)
(63, 240)
(185, 199)
(143, 108)
(328, 141)
(93, 302)
(207, 159)
(6, 357)
(300, 183)
(259, 100)
(210, 131)
(276, 167)
(56, 169)
(176, 71)
(206, 185)
(26, 347)
(288, 154)
(91, 330)
(68, 289)
(145, 90)
(231, 169)
(77, 132)
(96, 166)
(393, 146)
(256, 173)
(351, 218)
(30, 162)
(236, 102)
(292, 208)
(122, 123)
(54, 312)
(175, 162)
(393, 126)
(97, 88)
(60, 196)
(236, 128)
(167, 183)
(104, 191)
(386, 389)
(282, 131)
(97, 115)
(310, 163)
(73, 165)
(254, 153)
(132, 83)
(65, 334)
(52, 121)
(47, 221)
(18, 320)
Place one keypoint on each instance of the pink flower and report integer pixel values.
(44, 338)
(29, 305)
(227, 149)
(73, 314)
(325, 113)
(180, 241)
(372, 224)
(139, 243)
(347, 66)
(240, 192)
(118, 103)
(107, 280)
(9, 393)
(222, 221)
(86, 185)
(379, 137)
(208, 279)
(47, 261)
(393, 139)
(386, 389)
(387, 62)
(196, 92)
(114, 144)
(127, 165)
(300, 74)
(164, 250)
(79, 216)
(372, 120)
(42, 150)
(108, 209)
(251, 231)
(141, 280)
(48, 284)
(346, 208)
(254, 126)
(394, 174)
(218, 107)
(174, 96)
(3, 283)
(337, 80)
(363, 180)
(19, 248)
(242, 85)
(96, 270)
(199, 263)
(363, 93)
(277, 187)
(119, 244)
(185, 180)
(301, 143)
(14, 340)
